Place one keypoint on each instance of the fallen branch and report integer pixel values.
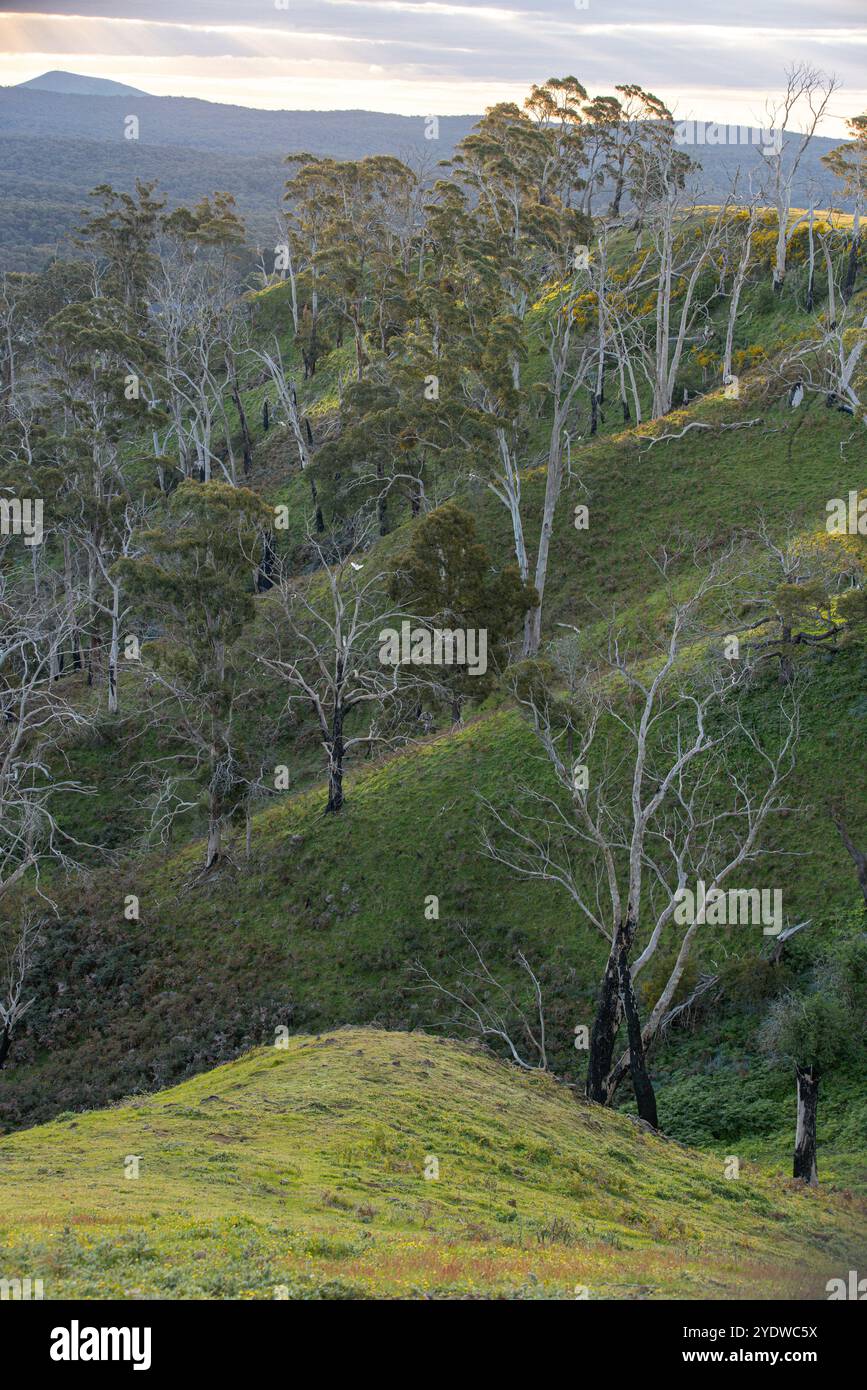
(703, 425)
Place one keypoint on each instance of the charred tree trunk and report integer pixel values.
(805, 1133)
(245, 429)
(114, 651)
(335, 765)
(215, 838)
(320, 520)
(645, 1098)
(5, 1044)
(609, 1015)
(264, 580)
(214, 844)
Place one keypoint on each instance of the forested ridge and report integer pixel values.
(57, 142)
(541, 404)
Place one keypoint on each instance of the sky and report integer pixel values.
(715, 61)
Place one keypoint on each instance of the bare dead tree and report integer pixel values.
(486, 1008)
(828, 363)
(123, 543)
(327, 650)
(195, 317)
(807, 94)
(670, 435)
(663, 304)
(748, 219)
(651, 758)
(18, 965)
(569, 369)
(287, 396)
(37, 714)
(163, 804)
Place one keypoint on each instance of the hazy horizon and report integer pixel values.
(421, 57)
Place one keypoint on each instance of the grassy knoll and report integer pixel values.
(304, 1168)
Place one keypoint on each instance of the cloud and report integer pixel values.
(442, 54)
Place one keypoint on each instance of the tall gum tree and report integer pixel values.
(652, 796)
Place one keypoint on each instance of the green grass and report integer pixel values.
(303, 1169)
(321, 926)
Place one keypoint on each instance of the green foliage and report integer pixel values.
(318, 927)
(195, 583)
(445, 576)
(825, 1022)
(122, 231)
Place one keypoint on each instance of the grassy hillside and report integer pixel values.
(304, 1168)
(322, 925)
(300, 1172)
(709, 485)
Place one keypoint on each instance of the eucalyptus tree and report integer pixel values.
(807, 95)
(661, 781)
(623, 129)
(326, 646)
(193, 582)
(849, 163)
(121, 231)
(505, 229)
(361, 257)
(95, 357)
(308, 214)
(446, 573)
(558, 108)
(37, 714)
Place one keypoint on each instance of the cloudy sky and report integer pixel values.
(715, 60)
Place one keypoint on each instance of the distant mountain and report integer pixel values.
(59, 81)
(215, 127)
(194, 147)
(190, 147)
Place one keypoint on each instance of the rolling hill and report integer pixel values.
(364, 1164)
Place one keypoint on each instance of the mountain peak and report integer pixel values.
(77, 85)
